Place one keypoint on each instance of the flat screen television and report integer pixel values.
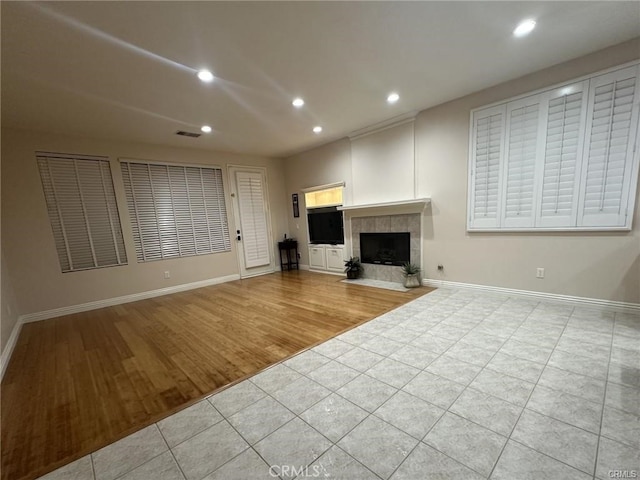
(325, 226)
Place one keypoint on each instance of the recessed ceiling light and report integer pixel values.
(297, 102)
(317, 129)
(393, 98)
(524, 28)
(205, 76)
(206, 129)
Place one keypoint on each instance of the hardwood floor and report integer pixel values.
(79, 382)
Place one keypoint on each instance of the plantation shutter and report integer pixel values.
(611, 131)
(562, 157)
(175, 210)
(253, 218)
(521, 151)
(82, 208)
(487, 151)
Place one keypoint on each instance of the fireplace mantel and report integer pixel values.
(402, 206)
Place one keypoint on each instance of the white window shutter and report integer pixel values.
(524, 134)
(486, 168)
(182, 211)
(216, 211)
(253, 222)
(82, 208)
(560, 182)
(608, 177)
(139, 191)
(175, 210)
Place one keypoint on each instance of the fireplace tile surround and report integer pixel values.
(385, 224)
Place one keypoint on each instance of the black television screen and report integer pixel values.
(325, 226)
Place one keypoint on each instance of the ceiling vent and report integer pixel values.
(188, 134)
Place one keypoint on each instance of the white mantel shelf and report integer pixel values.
(414, 205)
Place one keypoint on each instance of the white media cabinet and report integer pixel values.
(326, 258)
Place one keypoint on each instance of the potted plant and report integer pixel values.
(353, 267)
(410, 271)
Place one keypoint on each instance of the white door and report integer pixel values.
(252, 220)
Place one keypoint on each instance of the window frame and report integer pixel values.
(54, 204)
(546, 94)
(142, 255)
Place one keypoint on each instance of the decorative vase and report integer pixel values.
(411, 281)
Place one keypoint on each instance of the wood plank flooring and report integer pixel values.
(79, 382)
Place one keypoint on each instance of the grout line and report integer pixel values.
(295, 415)
(562, 421)
(604, 398)
(248, 405)
(141, 465)
(146, 461)
(369, 414)
(249, 447)
(452, 403)
(524, 407)
(93, 467)
(478, 374)
(173, 457)
(466, 386)
(511, 376)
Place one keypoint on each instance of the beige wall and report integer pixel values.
(9, 308)
(28, 243)
(330, 163)
(371, 155)
(602, 265)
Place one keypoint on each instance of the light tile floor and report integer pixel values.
(453, 385)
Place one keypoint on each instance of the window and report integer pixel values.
(175, 210)
(560, 159)
(82, 208)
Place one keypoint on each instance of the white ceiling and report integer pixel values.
(126, 70)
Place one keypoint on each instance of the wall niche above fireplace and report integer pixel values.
(388, 248)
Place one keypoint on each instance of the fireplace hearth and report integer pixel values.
(390, 248)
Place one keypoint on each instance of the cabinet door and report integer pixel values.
(317, 258)
(335, 260)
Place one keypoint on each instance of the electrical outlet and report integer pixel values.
(167, 274)
(539, 272)
(299, 256)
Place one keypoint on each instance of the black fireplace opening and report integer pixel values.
(385, 248)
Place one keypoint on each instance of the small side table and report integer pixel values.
(289, 248)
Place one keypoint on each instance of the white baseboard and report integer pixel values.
(109, 302)
(8, 348)
(341, 274)
(617, 306)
